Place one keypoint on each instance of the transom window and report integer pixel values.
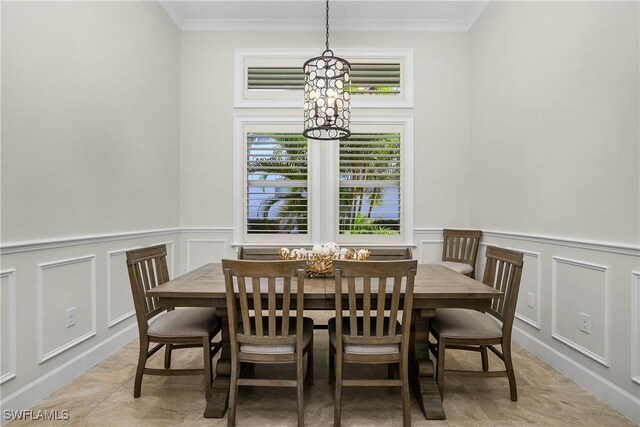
(269, 78)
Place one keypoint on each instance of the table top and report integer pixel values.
(432, 281)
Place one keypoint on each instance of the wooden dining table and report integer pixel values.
(435, 287)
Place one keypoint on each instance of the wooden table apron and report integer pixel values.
(435, 287)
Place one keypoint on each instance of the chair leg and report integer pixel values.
(440, 367)
(167, 355)
(208, 375)
(300, 386)
(406, 399)
(485, 358)
(332, 363)
(337, 404)
(142, 361)
(233, 395)
(310, 363)
(508, 364)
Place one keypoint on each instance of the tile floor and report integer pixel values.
(103, 396)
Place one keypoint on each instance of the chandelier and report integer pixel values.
(326, 95)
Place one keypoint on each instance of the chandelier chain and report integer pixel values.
(327, 25)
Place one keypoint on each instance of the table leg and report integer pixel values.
(217, 404)
(422, 372)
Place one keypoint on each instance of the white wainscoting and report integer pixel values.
(607, 367)
(8, 321)
(635, 326)
(40, 280)
(195, 246)
(65, 274)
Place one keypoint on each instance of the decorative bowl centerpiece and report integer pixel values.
(320, 258)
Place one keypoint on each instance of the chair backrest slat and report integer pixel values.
(382, 297)
(147, 268)
(272, 306)
(378, 294)
(261, 276)
(353, 308)
(257, 305)
(366, 306)
(395, 303)
(503, 272)
(286, 304)
(244, 304)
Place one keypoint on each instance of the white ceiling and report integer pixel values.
(353, 15)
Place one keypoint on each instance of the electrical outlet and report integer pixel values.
(531, 300)
(585, 323)
(71, 317)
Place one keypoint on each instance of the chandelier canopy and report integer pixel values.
(327, 107)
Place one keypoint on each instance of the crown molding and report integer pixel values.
(338, 24)
(175, 16)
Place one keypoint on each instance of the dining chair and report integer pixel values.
(460, 250)
(373, 337)
(265, 337)
(465, 329)
(173, 329)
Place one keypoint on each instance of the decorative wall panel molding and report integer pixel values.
(9, 335)
(529, 259)
(45, 353)
(635, 326)
(207, 250)
(124, 287)
(429, 251)
(557, 261)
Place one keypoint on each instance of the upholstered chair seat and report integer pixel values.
(465, 323)
(459, 267)
(185, 322)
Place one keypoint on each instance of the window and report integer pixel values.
(288, 191)
(274, 78)
(370, 184)
(276, 194)
(291, 186)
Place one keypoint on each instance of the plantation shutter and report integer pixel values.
(276, 179)
(370, 184)
(366, 78)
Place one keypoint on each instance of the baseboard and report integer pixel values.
(603, 389)
(37, 390)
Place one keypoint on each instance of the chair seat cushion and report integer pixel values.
(460, 267)
(363, 348)
(307, 336)
(185, 322)
(465, 323)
